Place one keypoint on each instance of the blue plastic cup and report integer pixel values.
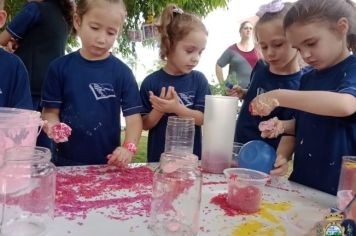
(257, 155)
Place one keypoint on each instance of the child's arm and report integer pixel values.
(151, 119)
(285, 150)
(51, 115)
(122, 155)
(237, 91)
(273, 127)
(172, 105)
(316, 102)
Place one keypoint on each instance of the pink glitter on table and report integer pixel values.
(80, 191)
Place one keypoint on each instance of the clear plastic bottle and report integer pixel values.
(180, 133)
(176, 196)
(27, 191)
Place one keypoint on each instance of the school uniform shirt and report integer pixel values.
(90, 95)
(191, 89)
(42, 33)
(262, 80)
(14, 82)
(321, 141)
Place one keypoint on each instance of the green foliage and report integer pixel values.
(138, 11)
(219, 88)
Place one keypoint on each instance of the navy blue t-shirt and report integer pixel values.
(262, 80)
(321, 141)
(14, 82)
(90, 95)
(191, 89)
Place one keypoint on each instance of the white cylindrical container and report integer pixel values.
(218, 132)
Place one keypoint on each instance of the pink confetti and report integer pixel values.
(60, 132)
(95, 189)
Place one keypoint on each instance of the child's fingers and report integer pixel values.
(163, 92)
(280, 160)
(281, 166)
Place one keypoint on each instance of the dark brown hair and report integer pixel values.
(306, 11)
(174, 26)
(67, 8)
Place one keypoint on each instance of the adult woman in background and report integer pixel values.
(241, 57)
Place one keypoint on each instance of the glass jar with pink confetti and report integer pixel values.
(176, 196)
(27, 191)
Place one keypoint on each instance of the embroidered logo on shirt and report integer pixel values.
(186, 98)
(102, 91)
(260, 91)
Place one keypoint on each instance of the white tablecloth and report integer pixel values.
(288, 209)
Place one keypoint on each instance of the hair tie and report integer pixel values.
(177, 10)
(272, 7)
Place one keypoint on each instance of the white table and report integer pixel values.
(289, 208)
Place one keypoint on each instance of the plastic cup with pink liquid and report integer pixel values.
(245, 188)
(347, 175)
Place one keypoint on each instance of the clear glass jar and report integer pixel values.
(176, 196)
(180, 133)
(27, 191)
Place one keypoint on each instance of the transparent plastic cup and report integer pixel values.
(18, 127)
(180, 133)
(235, 153)
(347, 175)
(245, 188)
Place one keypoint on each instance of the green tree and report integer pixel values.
(138, 12)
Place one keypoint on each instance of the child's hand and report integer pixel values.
(59, 132)
(166, 103)
(263, 104)
(280, 166)
(120, 157)
(271, 128)
(236, 91)
(11, 46)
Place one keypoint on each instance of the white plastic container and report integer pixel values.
(218, 132)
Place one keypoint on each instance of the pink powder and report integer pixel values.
(215, 162)
(94, 188)
(221, 201)
(246, 199)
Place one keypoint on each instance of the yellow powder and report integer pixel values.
(251, 227)
(281, 206)
(254, 227)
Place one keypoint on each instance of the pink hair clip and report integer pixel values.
(178, 10)
(272, 7)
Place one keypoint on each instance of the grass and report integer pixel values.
(141, 155)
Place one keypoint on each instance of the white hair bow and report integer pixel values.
(272, 7)
(177, 10)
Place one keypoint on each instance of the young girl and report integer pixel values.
(280, 69)
(323, 31)
(175, 89)
(87, 88)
